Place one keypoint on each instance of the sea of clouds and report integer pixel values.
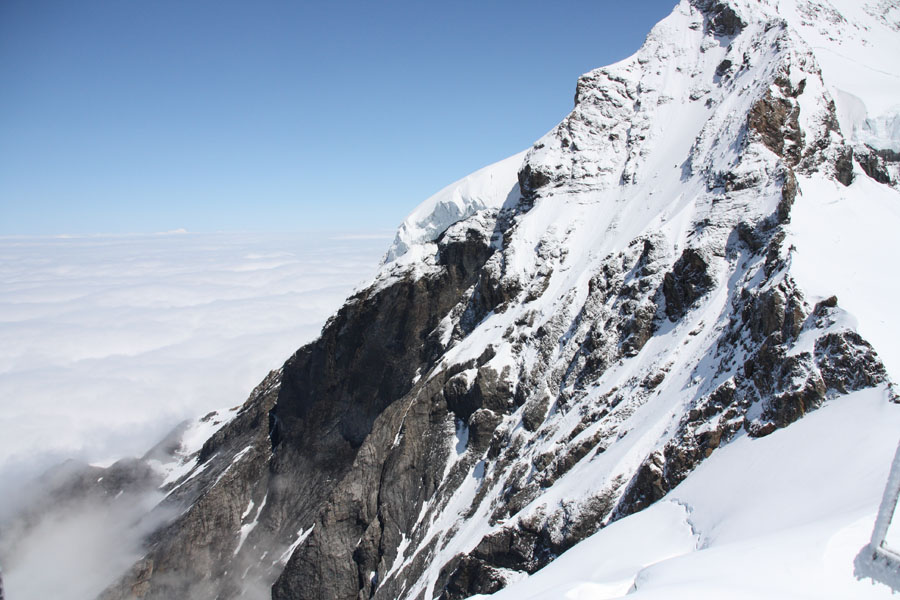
(108, 342)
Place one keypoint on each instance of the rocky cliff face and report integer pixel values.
(539, 360)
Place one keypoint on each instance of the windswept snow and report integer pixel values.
(489, 187)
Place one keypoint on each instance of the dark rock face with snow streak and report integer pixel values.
(552, 362)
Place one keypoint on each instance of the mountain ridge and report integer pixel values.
(549, 350)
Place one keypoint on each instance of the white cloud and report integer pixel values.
(106, 342)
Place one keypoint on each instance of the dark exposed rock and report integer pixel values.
(735, 182)
(513, 548)
(359, 531)
(366, 357)
(494, 290)
(654, 479)
(568, 459)
(721, 18)
(306, 432)
(888, 155)
(723, 67)
(489, 390)
(848, 362)
(788, 195)
(775, 118)
(532, 542)
(666, 468)
(775, 310)
(472, 576)
(784, 408)
(688, 281)
(751, 236)
(843, 165)
(482, 425)
(638, 330)
(875, 163)
(467, 576)
(531, 180)
(386, 335)
(775, 253)
(468, 254)
(822, 306)
(534, 413)
(189, 557)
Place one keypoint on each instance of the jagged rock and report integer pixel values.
(848, 362)
(534, 413)
(688, 281)
(488, 391)
(723, 67)
(785, 408)
(878, 164)
(482, 425)
(467, 252)
(565, 461)
(721, 18)
(843, 166)
(775, 118)
(638, 330)
(788, 195)
(775, 310)
(511, 548)
(531, 180)
(467, 576)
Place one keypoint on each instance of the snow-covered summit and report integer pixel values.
(679, 105)
(489, 187)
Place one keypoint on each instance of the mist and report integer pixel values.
(76, 551)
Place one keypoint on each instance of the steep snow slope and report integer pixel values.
(844, 240)
(637, 324)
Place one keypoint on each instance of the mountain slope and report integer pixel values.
(557, 342)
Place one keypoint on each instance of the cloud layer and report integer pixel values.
(108, 342)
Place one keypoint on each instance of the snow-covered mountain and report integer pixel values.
(651, 355)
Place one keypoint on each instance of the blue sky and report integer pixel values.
(123, 116)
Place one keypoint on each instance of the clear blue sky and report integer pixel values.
(140, 116)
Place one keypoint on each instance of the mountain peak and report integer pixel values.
(571, 347)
